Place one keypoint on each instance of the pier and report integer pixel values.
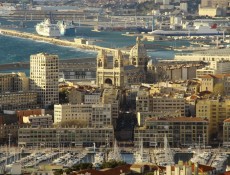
(55, 41)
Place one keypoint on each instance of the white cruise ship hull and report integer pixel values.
(47, 29)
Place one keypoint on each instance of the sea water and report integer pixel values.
(14, 49)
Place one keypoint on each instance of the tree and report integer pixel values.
(150, 173)
(70, 123)
(82, 166)
(218, 89)
(112, 164)
(58, 172)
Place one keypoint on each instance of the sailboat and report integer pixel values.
(99, 158)
(165, 156)
(115, 154)
(141, 156)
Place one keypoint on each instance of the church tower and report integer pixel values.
(138, 55)
(102, 59)
(112, 74)
(118, 60)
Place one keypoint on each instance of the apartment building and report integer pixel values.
(101, 115)
(214, 67)
(226, 132)
(142, 116)
(210, 11)
(67, 112)
(208, 82)
(143, 101)
(13, 82)
(216, 111)
(96, 115)
(55, 137)
(180, 131)
(44, 78)
(112, 96)
(18, 100)
(92, 98)
(8, 130)
(159, 103)
(205, 71)
(28, 112)
(214, 3)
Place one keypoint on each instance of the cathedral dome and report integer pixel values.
(138, 51)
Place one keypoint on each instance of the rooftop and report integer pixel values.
(178, 119)
(218, 76)
(112, 171)
(227, 120)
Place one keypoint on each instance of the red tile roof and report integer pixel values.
(219, 76)
(226, 173)
(111, 171)
(227, 120)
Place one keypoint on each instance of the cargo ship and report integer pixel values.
(67, 28)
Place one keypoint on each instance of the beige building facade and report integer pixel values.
(226, 132)
(95, 115)
(56, 137)
(18, 100)
(180, 131)
(67, 112)
(209, 11)
(160, 103)
(211, 82)
(215, 111)
(13, 82)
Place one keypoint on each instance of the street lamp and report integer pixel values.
(9, 143)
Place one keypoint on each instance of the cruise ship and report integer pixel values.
(201, 31)
(67, 28)
(46, 28)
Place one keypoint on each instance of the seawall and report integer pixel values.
(55, 41)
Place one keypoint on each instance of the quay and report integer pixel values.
(55, 41)
(76, 63)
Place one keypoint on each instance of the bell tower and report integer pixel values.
(118, 60)
(102, 59)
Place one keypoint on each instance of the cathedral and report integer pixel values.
(123, 72)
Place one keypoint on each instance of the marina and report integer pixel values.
(67, 157)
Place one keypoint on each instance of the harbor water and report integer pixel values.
(13, 49)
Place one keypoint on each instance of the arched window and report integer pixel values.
(116, 63)
(100, 63)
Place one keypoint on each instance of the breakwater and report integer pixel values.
(55, 41)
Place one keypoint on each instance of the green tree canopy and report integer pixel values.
(218, 89)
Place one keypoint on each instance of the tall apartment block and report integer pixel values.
(44, 78)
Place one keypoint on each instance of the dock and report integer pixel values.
(56, 41)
